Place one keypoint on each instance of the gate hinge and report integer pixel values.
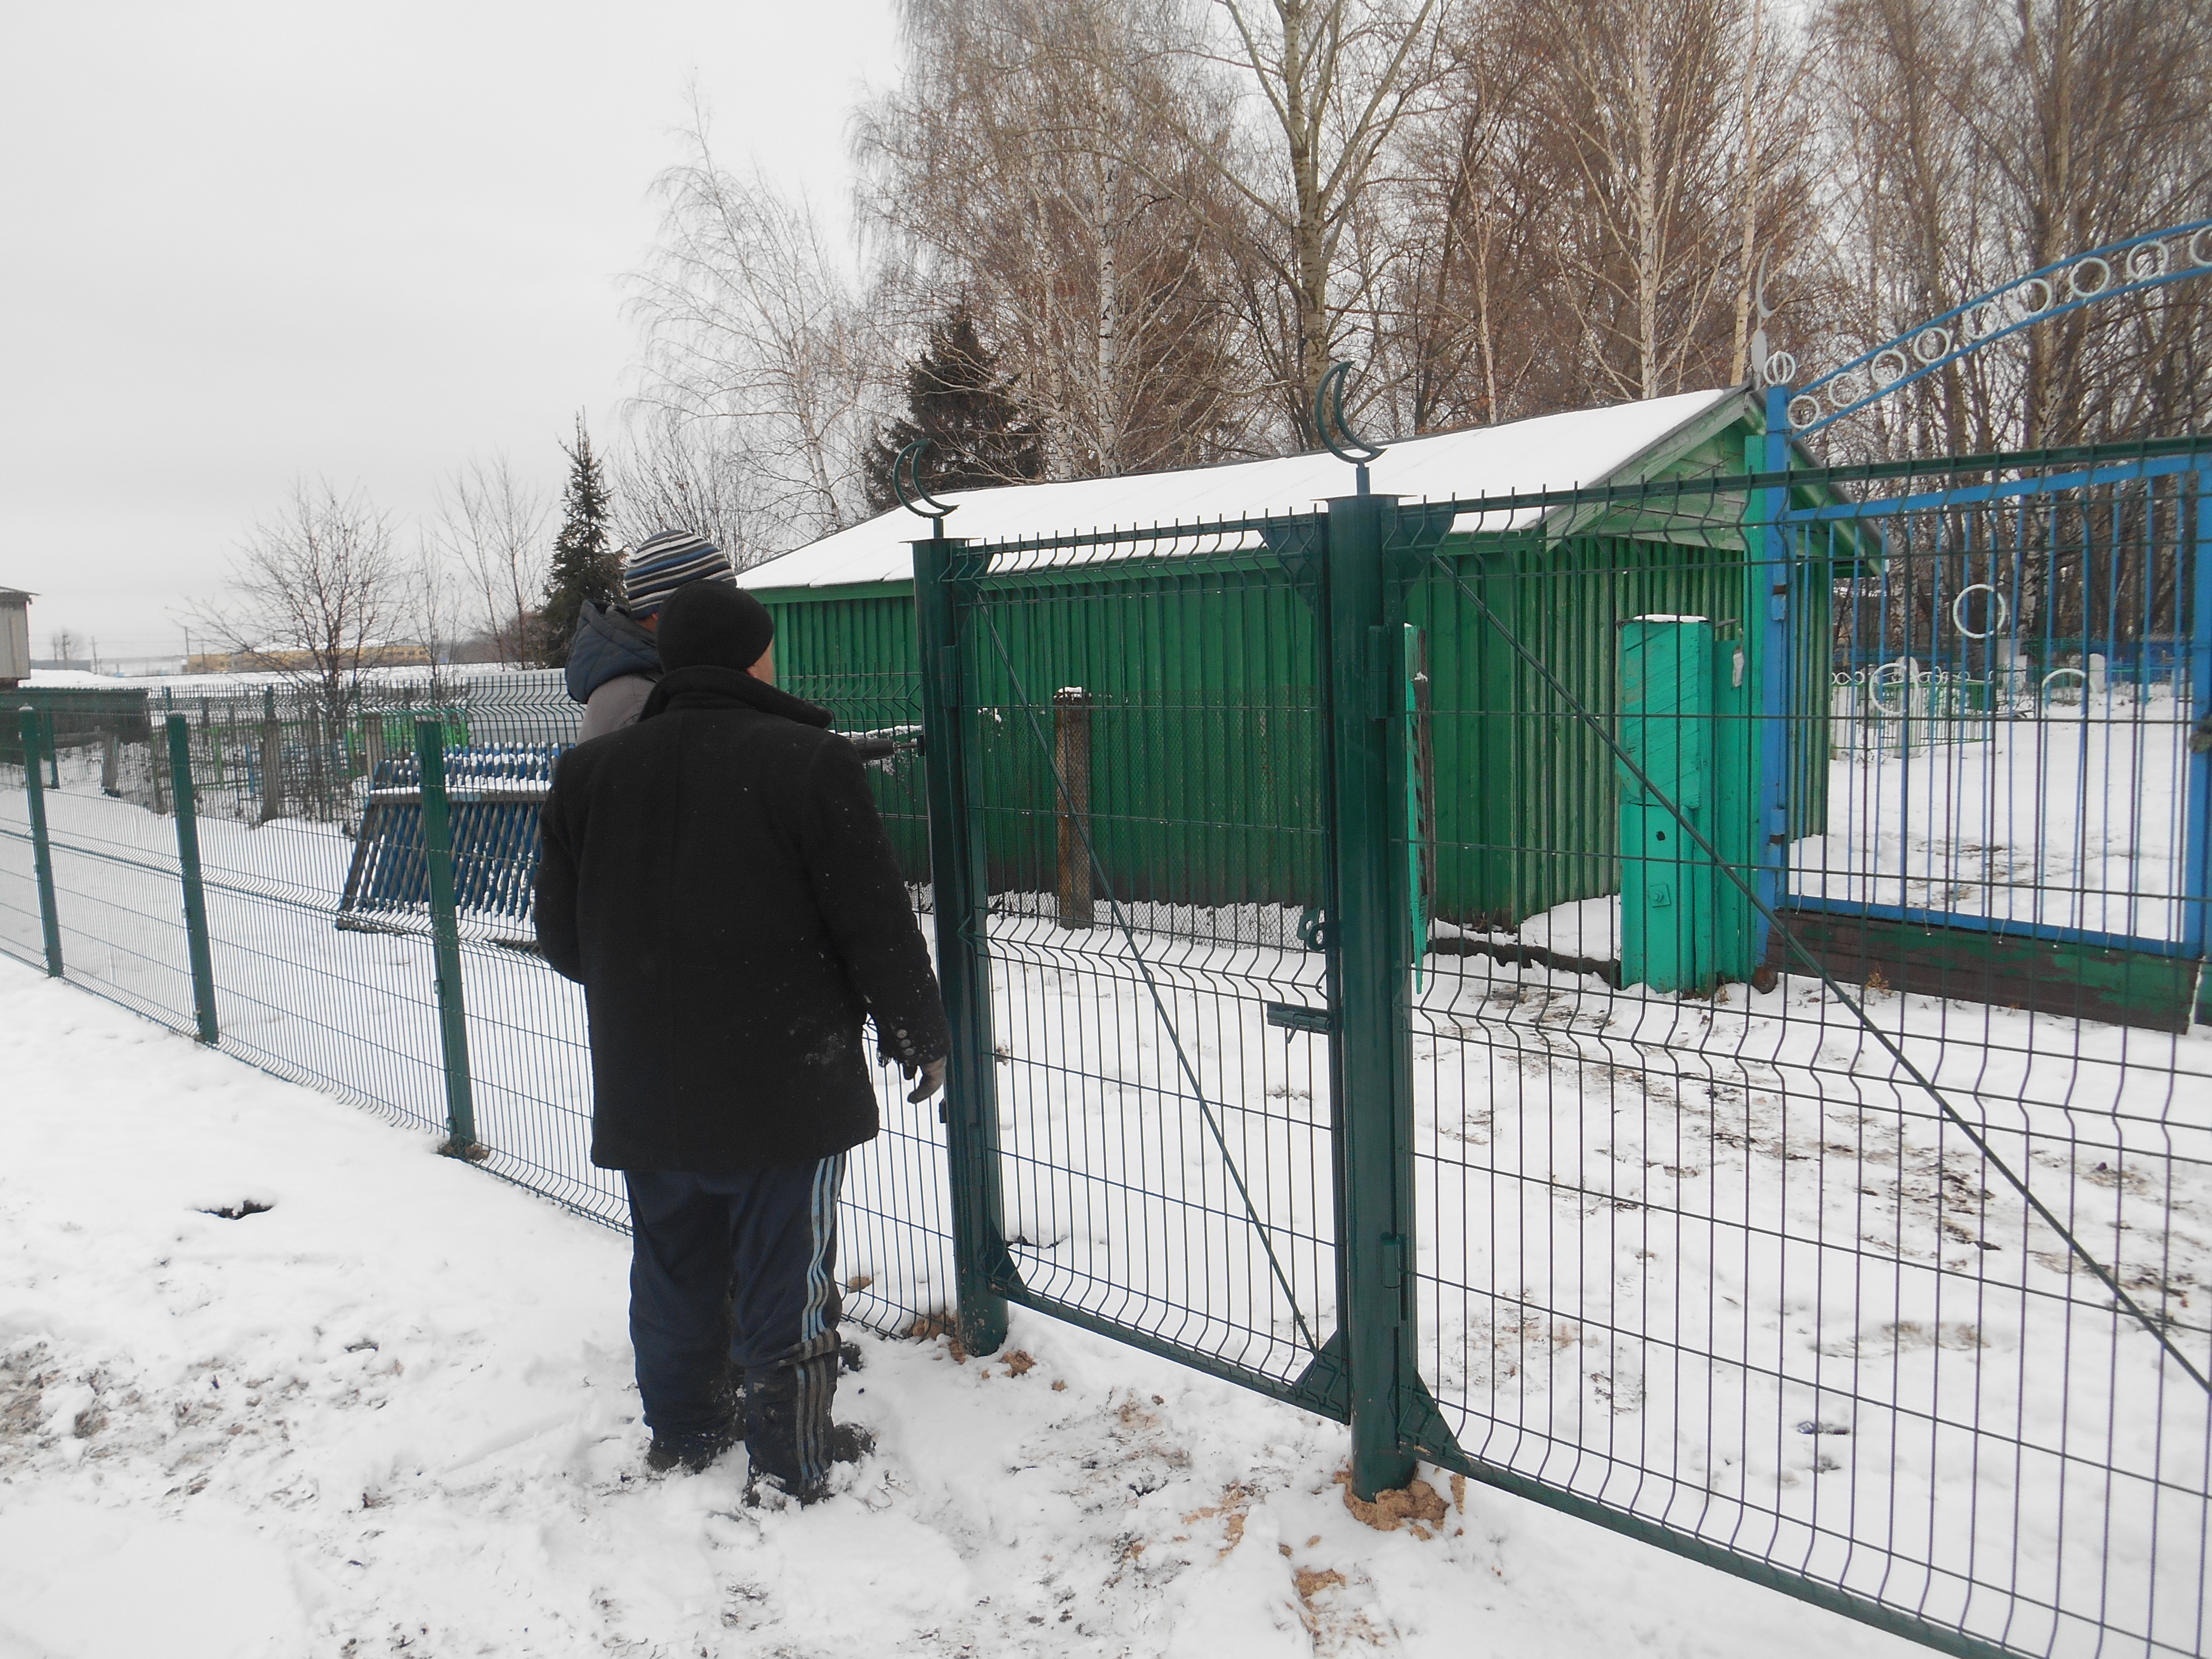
(1778, 603)
(1313, 928)
(1395, 1274)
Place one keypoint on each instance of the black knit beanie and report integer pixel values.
(713, 624)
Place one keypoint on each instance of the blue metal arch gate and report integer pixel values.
(1956, 722)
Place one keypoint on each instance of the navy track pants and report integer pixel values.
(728, 1271)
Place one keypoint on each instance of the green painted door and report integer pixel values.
(1667, 920)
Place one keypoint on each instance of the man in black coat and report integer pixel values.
(718, 879)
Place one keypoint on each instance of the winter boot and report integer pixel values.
(730, 1399)
(789, 1433)
(696, 1452)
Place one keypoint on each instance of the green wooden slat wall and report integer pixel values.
(855, 656)
(1207, 729)
(1204, 732)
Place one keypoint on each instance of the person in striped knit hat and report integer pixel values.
(614, 662)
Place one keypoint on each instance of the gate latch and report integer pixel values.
(1297, 1016)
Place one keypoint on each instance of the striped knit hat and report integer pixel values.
(660, 564)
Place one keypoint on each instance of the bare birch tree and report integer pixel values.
(753, 323)
(433, 599)
(673, 474)
(1168, 215)
(1654, 108)
(315, 593)
(492, 524)
(1973, 141)
(1000, 174)
(1474, 329)
(1334, 80)
(2101, 126)
(1908, 204)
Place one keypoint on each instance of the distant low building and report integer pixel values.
(14, 636)
(394, 655)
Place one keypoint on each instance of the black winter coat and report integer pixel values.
(717, 879)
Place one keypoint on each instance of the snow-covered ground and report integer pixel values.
(2069, 814)
(1721, 1263)
(1717, 1262)
(392, 1414)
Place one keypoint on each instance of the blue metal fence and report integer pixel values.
(2019, 760)
(496, 794)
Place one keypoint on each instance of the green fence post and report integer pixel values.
(42, 852)
(1766, 629)
(445, 936)
(158, 776)
(188, 861)
(959, 891)
(1371, 946)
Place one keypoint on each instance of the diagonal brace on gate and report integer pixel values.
(1206, 1112)
(1583, 712)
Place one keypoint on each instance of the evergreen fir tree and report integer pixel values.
(586, 563)
(957, 400)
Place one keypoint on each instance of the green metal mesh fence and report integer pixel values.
(322, 952)
(1743, 1130)
(1776, 1201)
(1675, 1000)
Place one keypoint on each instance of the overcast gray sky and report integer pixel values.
(249, 242)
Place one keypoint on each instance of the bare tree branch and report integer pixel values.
(493, 524)
(315, 593)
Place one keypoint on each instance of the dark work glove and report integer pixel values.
(931, 1074)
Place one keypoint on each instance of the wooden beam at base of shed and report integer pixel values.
(2067, 978)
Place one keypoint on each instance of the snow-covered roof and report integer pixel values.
(74, 679)
(480, 680)
(1550, 452)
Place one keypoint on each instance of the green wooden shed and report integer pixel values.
(1197, 669)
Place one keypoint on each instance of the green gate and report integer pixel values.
(1138, 1122)
(1625, 1196)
